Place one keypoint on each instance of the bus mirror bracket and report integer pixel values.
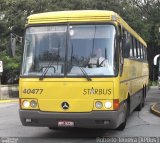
(123, 40)
(123, 44)
(121, 65)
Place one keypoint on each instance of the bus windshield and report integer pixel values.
(67, 50)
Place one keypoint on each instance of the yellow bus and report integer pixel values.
(84, 69)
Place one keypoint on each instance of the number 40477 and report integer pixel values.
(33, 91)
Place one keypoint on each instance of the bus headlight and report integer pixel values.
(108, 105)
(99, 104)
(26, 103)
(33, 104)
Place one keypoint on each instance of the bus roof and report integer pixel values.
(81, 16)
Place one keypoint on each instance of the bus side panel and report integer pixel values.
(132, 81)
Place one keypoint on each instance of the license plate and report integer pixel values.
(65, 124)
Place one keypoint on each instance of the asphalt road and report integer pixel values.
(140, 124)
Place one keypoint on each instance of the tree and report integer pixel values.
(150, 11)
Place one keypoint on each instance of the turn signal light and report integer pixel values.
(116, 104)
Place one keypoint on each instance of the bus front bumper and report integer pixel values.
(94, 119)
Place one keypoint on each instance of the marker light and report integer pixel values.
(33, 104)
(108, 104)
(115, 104)
(114, 17)
(26, 104)
(98, 104)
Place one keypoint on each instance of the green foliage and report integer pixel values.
(153, 83)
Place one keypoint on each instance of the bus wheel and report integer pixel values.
(123, 125)
(144, 96)
(141, 104)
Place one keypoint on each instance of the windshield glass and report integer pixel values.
(44, 48)
(91, 47)
(69, 50)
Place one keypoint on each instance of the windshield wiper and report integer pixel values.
(85, 74)
(50, 64)
(46, 70)
(83, 71)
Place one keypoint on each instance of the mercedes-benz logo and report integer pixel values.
(65, 105)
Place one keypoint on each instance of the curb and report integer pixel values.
(8, 101)
(154, 111)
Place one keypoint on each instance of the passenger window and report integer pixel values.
(132, 43)
(138, 50)
(131, 47)
(142, 55)
(145, 53)
(135, 47)
(127, 45)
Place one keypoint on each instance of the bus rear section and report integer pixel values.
(60, 103)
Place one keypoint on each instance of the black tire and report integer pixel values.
(123, 125)
(144, 96)
(139, 107)
(143, 101)
(141, 104)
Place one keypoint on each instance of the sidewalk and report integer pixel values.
(154, 94)
(8, 92)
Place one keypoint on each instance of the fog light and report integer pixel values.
(108, 104)
(33, 104)
(26, 104)
(98, 104)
